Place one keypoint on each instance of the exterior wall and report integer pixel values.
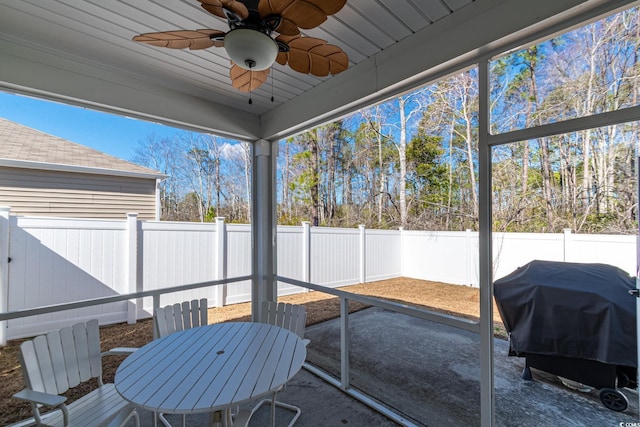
(35, 192)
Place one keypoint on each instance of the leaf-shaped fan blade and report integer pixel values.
(310, 55)
(245, 80)
(299, 13)
(182, 39)
(215, 7)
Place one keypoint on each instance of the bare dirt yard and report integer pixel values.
(457, 300)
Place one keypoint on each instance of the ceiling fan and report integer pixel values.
(250, 43)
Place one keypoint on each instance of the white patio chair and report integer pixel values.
(293, 318)
(170, 319)
(60, 360)
(179, 317)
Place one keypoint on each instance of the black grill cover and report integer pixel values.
(571, 310)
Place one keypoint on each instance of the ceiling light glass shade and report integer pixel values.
(250, 49)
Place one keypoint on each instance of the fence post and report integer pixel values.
(306, 252)
(4, 270)
(131, 261)
(468, 255)
(363, 254)
(402, 250)
(566, 241)
(221, 261)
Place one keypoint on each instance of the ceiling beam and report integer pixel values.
(34, 71)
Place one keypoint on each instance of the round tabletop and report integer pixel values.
(210, 368)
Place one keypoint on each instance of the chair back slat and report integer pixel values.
(93, 344)
(68, 345)
(30, 368)
(267, 315)
(160, 322)
(43, 366)
(82, 351)
(203, 308)
(185, 313)
(299, 320)
(292, 317)
(178, 317)
(58, 363)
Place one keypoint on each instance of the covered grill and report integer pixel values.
(574, 320)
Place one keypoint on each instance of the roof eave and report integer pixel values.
(23, 164)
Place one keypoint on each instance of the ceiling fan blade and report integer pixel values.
(215, 7)
(182, 39)
(304, 14)
(310, 55)
(246, 80)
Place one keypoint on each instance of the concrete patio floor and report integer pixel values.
(430, 373)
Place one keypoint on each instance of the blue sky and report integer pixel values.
(111, 134)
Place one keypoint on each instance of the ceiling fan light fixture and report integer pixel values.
(250, 49)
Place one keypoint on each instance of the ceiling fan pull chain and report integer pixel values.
(272, 84)
(250, 82)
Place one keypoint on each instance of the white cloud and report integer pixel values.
(232, 151)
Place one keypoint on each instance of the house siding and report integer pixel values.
(68, 194)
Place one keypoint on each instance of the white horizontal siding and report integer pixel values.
(66, 194)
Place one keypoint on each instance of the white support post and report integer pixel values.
(131, 261)
(363, 253)
(306, 252)
(4, 270)
(402, 266)
(158, 201)
(221, 261)
(566, 244)
(638, 274)
(485, 246)
(263, 225)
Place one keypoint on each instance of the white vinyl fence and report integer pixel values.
(45, 261)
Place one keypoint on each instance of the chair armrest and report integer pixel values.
(40, 398)
(119, 351)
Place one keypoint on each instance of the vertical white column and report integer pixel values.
(638, 274)
(131, 261)
(263, 225)
(4, 270)
(487, 391)
(468, 258)
(402, 251)
(566, 244)
(363, 253)
(221, 261)
(158, 202)
(306, 252)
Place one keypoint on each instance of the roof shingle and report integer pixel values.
(22, 143)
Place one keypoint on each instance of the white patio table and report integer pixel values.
(210, 368)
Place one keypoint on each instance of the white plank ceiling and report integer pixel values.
(81, 52)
